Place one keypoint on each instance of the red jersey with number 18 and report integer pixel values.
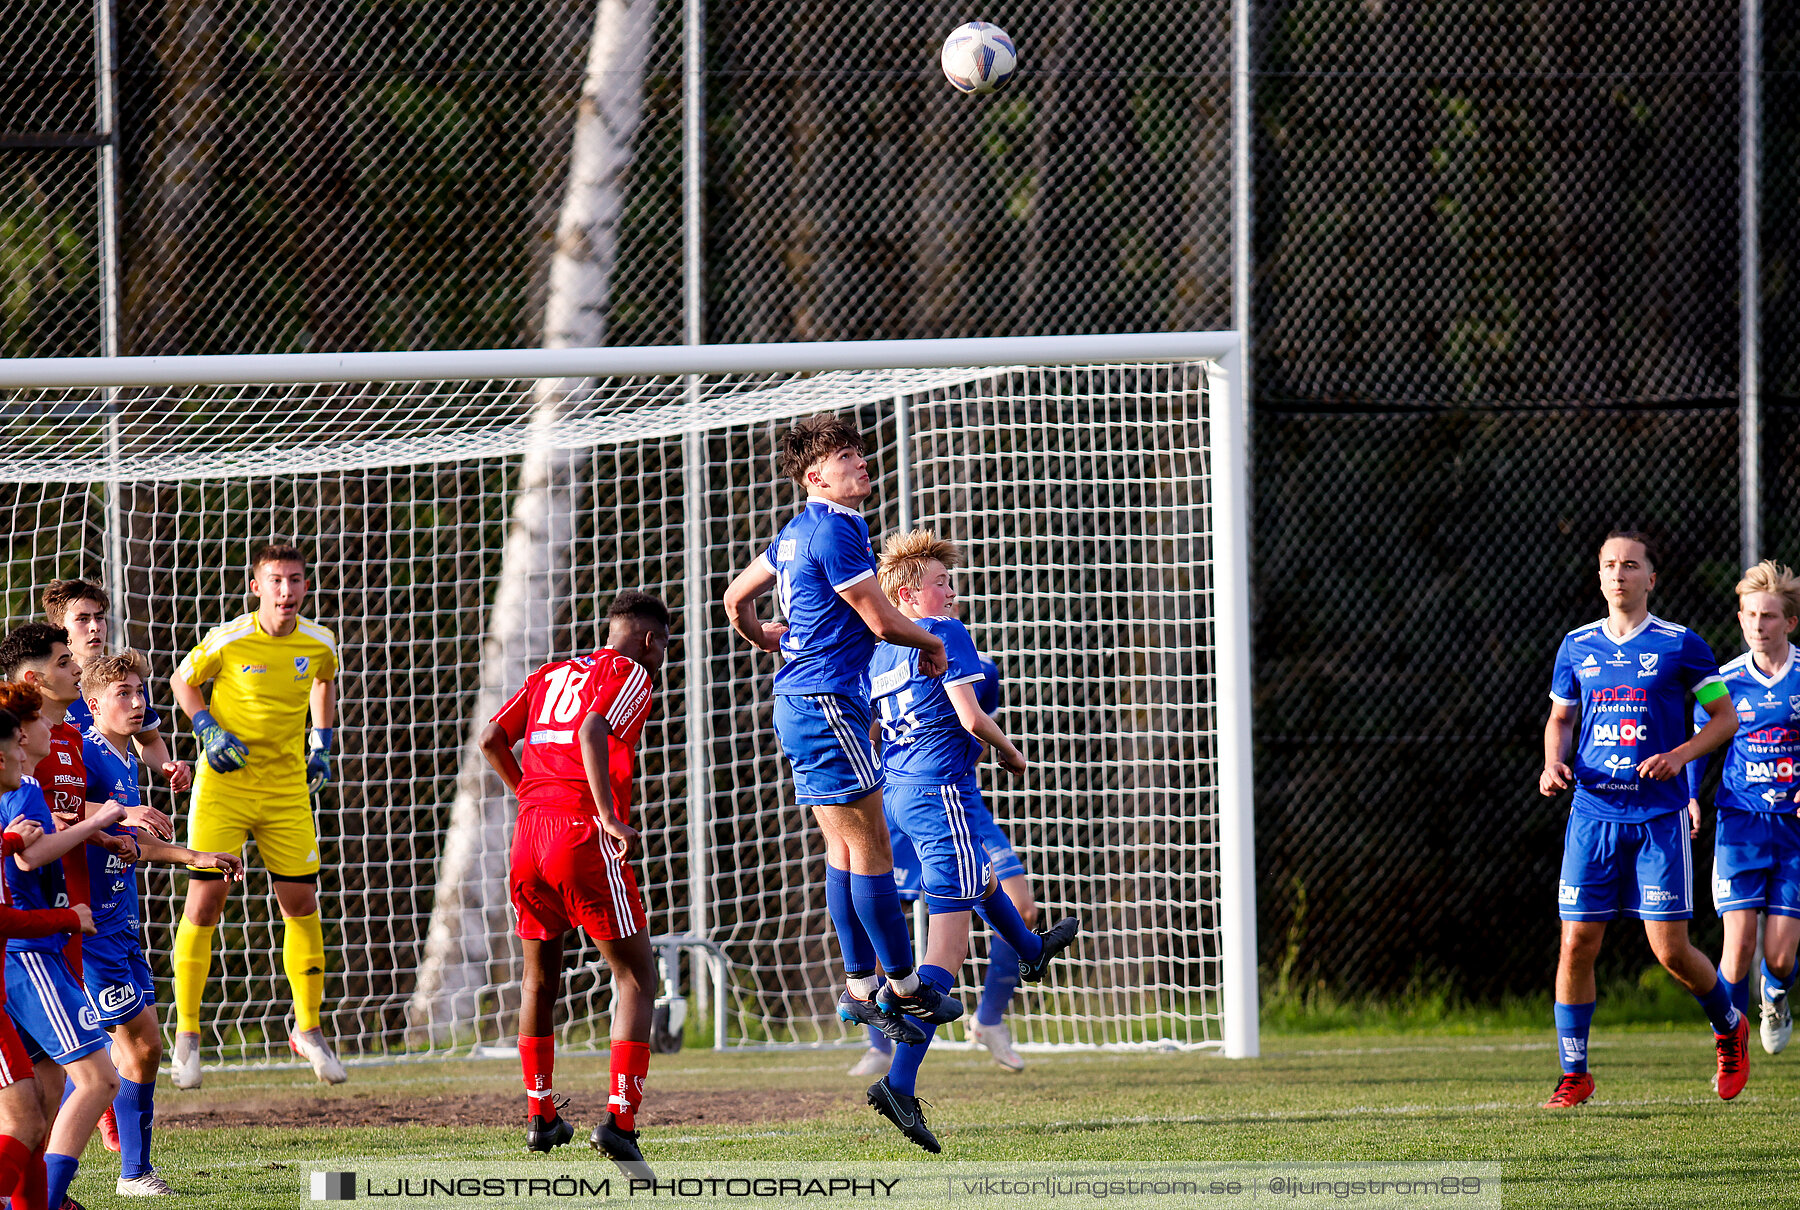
(547, 715)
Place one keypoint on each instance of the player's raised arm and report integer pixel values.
(741, 595)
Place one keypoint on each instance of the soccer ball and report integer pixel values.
(978, 57)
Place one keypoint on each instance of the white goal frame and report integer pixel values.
(1226, 450)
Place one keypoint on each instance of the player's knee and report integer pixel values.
(24, 1120)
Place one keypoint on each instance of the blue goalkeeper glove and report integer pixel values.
(225, 752)
(318, 759)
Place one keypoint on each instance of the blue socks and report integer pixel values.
(1002, 980)
(1719, 1010)
(853, 939)
(59, 1172)
(135, 1108)
(878, 907)
(903, 1075)
(998, 910)
(1572, 1021)
(1740, 993)
(1774, 986)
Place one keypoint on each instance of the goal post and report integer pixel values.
(470, 514)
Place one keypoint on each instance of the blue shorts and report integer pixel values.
(52, 1010)
(826, 740)
(1627, 869)
(1756, 862)
(954, 867)
(987, 833)
(117, 977)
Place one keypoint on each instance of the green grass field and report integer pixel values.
(1654, 1135)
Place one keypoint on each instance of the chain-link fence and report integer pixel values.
(1496, 267)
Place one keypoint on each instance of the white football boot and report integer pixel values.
(310, 1044)
(999, 1043)
(184, 1068)
(1777, 1019)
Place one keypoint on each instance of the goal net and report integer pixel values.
(468, 516)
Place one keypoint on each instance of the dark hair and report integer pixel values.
(276, 552)
(62, 593)
(9, 724)
(28, 644)
(640, 605)
(1652, 555)
(811, 440)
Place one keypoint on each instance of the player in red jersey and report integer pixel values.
(580, 720)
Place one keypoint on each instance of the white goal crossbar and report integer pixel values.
(449, 506)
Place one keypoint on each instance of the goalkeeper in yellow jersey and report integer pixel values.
(267, 669)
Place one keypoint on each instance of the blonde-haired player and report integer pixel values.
(268, 670)
(933, 731)
(1756, 844)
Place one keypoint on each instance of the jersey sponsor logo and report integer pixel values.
(88, 1017)
(1769, 699)
(1623, 734)
(249, 669)
(1655, 894)
(1618, 764)
(1574, 1050)
(1620, 693)
(1590, 662)
(890, 681)
(1780, 769)
(1768, 735)
(65, 758)
(1773, 796)
(116, 997)
(1567, 895)
(1721, 888)
(784, 550)
(550, 737)
(1618, 660)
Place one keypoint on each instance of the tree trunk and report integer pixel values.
(469, 950)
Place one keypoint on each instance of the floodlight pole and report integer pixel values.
(1750, 285)
(1229, 416)
(697, 557)
(106, 113)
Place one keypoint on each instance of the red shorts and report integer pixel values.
(15, 1064)
(566, 873)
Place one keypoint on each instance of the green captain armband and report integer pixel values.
(1706, 695)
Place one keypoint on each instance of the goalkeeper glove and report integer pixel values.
(225, 752)
(318, 759)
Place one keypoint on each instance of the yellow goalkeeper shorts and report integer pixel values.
(286, 836)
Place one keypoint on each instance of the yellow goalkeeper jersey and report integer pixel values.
(262, 686)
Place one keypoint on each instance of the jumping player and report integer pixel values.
(1756, 846)
(113, 968)
(933, 729)
(580, 720)
(822, 569)
(988, 1029)
(267, 669)
(82, 608)
(1623, 682)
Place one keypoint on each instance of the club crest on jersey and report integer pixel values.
(1648, 660)
(65, 758)
(300, 663)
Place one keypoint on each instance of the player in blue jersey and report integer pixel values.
(933, 731)
(1756, 844)
(1621, 684)
(988, 1028)
(48, 1004)
(113, 969)
(822, 569)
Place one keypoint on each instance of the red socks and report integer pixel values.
(630, 1063)
(31, 1186)
(538, 1058)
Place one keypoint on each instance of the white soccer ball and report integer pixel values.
(978, 57)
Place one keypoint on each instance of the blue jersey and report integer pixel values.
(112, 776)
(81, 718)
(1632, 693)
(923, 743)
(1759, 760)
(817, 555)
(32, 890)
(987, 693)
